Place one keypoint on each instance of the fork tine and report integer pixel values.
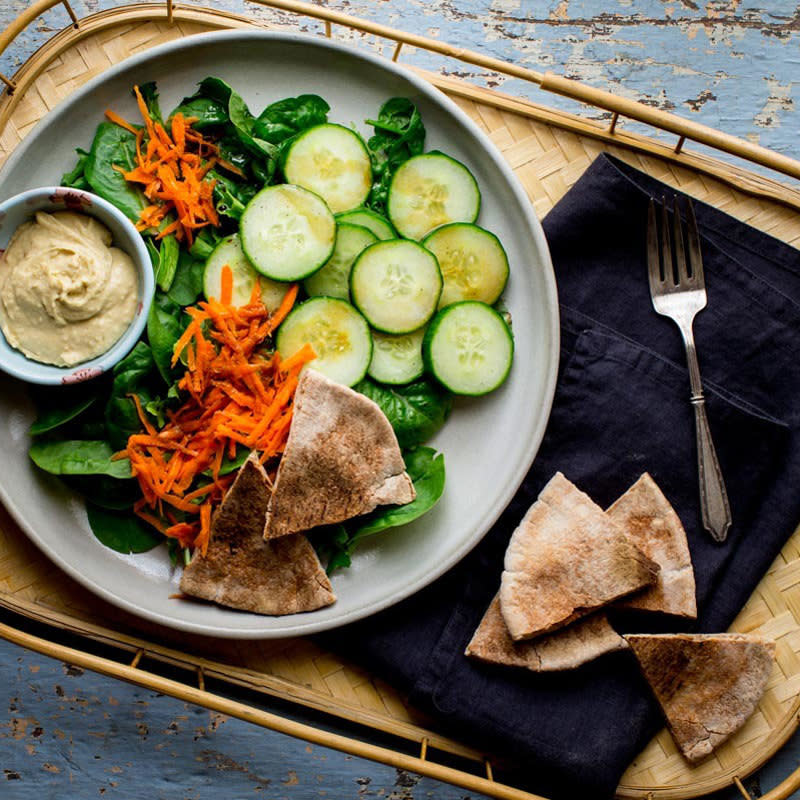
(695, 258)
(682, 275)
(666, 253)
(653, 260)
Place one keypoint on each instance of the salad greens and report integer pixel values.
(120, 531)
(77, 439)
(399, 134)
(416, 410)
(425, 467)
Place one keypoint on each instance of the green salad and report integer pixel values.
(365, 248)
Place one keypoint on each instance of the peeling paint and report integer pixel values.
(779, 100)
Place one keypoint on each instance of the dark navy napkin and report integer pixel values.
(621, 408)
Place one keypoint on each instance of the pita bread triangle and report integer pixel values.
(565, 559)
(243, 571)
(706, 684)
(341, 460)
(566, 648)
(650, 522)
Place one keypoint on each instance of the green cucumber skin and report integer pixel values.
(382, 378)
(472, 225)
(354, 300)
(382, 221)
(296, 276)
(427, 343)
(357, 136)
(442, 155)
(310, 289)
(302, 135)
(303, 307)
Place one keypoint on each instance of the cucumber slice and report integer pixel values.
(431, 190)
(396, 285)
(287, 232)
(333, 162)
(229, 251)
(468, 348)
(337, 332)
(474, 264)
(396, 359)
(366, 217)
(333, 280)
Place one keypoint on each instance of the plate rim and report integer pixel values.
(302, 624)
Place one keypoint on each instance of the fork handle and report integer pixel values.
(714, 506)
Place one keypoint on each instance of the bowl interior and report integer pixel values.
(21, 208)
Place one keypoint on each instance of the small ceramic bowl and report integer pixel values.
(21, 208)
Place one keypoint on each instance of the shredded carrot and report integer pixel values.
(172, 169)
(238, 396)
(112, 116)
(226, 291)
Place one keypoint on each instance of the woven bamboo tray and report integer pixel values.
(548, 150)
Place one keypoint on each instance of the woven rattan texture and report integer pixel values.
(547, 160)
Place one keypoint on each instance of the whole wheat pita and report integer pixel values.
(651, 523)
(706, 684)
(566, 648)
(243, 571)
(565, 559)
(341, 460)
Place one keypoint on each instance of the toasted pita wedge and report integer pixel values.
(243, 571)
(567, 648)
(565, 559)
(651, 523)
(341, 460)
(706, 684)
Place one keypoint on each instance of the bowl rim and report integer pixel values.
(41, 373)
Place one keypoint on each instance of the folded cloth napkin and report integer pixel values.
(621, 408)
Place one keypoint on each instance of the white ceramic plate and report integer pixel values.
(488, 443)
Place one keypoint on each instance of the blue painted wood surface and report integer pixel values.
(732, 64)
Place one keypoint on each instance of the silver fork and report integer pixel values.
(678, 291)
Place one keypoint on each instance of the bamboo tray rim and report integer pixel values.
(741, 179)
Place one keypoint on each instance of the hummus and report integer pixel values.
(66, 295)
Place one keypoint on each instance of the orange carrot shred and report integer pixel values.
(226, 291)
(172, 170)
(112, 116)
(238, 396)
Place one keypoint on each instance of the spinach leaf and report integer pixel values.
(287, 117)
(232, 151)
(167, 262)
(77, 457)
(241, 118)
(114, 145)
(121, 532)
(188, 281)
(209, 113)
(149, 92)
(399, 134)
(230, 197)
(105, 492)
(76, 179)
(130, 376)
(416, 410)
(204, 243)
(232, 464)
(425, 467)
(51, 418)
(331, 543)
(164, 328)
